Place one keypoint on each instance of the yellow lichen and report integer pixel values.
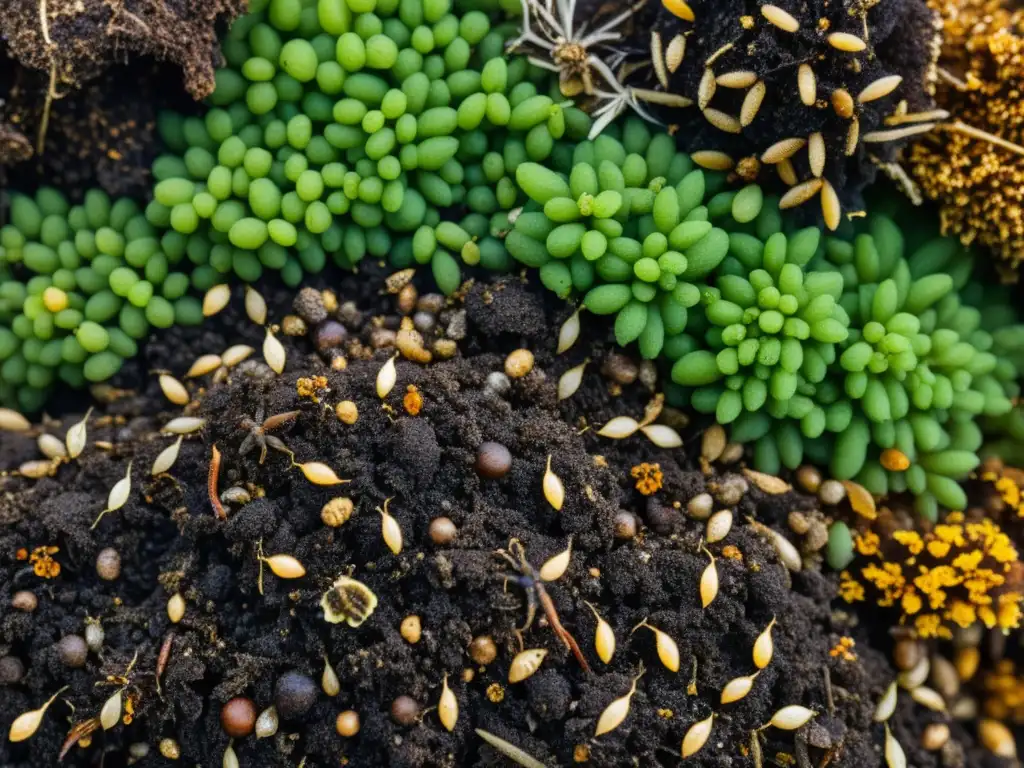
(844, 649)
(648, 477)
(1004, 693)
(43, 564)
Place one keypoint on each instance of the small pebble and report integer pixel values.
(347, 724)
(445, 348)
(294, 695)
(430, 302)
(817, 535)
(309, 305)
(424, 322)
(483, 650)
(798, 522)
(700, 506)
(662, 519)
(238, 717)
(330, 335)
(831, 492)
(108, 564)
(442, 531)
(411, 629)
(498, 383)
(731, 490)
(293, 325)
(457, 330)
(935, 736)
(73, 651)
(493, 460)
(518, 363)
(405, 710)
(648, 375)
(625, 525)
(809, 478)
(380, 338)
(11, 670)
(169, 748)
(907, 653)
(24, 600)
(620, 369)
(347, 412)
(350, 314)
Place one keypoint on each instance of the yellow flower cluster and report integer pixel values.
(958, 574)
(1008, 483)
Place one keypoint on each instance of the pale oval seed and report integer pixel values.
(604, 637)
(329, 679)
(879, 88)
(844, 41)
(816, 153)
(183, 425)
(722, 121)
(887, 704)
(842, 102)
(697, 735)
(386, 377)
(176, 607)
(792, 717)
(286, 567)
(752, 103)
(390, 530)
(554, 491)
(12, 421)
(76, 436)
(569, 332)
(51, 447)
(216, 299)
(928, 697)
(234, 355)
(706, 88)
(230, 759)
(709, 583)
(831, 209)
(569, 382)
(166, 458)
(110, 714)
(619, 427)
(675, 52)
(713, 160)
(255, 306)
(807, 84)
(894, 755)
(718, 526)
(782, 150)
(448, 707)
(800, 194)
(737, 688)
(266, 723)
(741, 78)
(273, 352)
(764, 646)
(203, 366)
(319, 473)
(780, 18)
(174, 390)
(787, 173)
(662, 436)
(556, 566)
(525, 664)
(617, 711)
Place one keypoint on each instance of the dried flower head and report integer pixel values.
(958, 574)
(648, 477)
(43, 564)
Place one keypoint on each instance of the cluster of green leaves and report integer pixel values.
(342, 128)
(79, 285)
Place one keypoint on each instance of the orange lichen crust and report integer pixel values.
(648, 478)
(958, 574)
(43, 564)
(1004, 693)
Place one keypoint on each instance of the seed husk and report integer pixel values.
(604, 637)
(706, 88)
(76, 436)
(800, 194)
(511, 751)
(792, 717)
(273, 352)
(928, 697)
(204, 365)
(768, 483)
(752, 103)
(386, 377)
(525, 664)
(556, 566)
(831, 209)
(816, 153)
(183, 425)
(390, 530)
(554, 491)
(619, 427)
(807, 84)
(887, 704)
(894, 755)
(662, 436)
(27, 723)
(166, 458)
(110, 714)
(697, 735)
(51, 447)
(176, 607)
(613, 715)
(738, 688)
(787, 173)
(234, 355)
(173, 389)
(675, 52)
(348, 600)
(658, 59)
(216, 299)
(448, 707)
(329, 679)
(709, 582)
(319, 473)
(337, 511)
(718, 526)
(722, 121)
(668, 650)
(742, 78)
(569, 332)
(780, 18)
(285, 567)
(12, 421)
(569, 382)
(713, 160)
(764, 646)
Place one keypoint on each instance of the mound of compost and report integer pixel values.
(635, 559)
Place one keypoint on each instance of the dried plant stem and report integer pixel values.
(211, 484)
(44, 22)
(51, 94)
(976, 133)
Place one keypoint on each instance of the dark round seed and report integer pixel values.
(11, 670)
(238, 717)
(73, 651)
(625, 525)
(405, 710)
(907, 653)
(347, 723)
(309, 305)
(294, 695)
(442, 530)
(24, 601)
(330, 334)
(483, 650)
(108, 564)
(493, 460)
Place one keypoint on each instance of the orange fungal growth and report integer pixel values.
(648, 478)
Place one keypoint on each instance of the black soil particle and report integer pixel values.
(233, 641)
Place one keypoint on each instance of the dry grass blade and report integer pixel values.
(878, 137)
(511, 751)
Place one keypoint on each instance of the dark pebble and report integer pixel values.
(625, 525)
(405, 710)
(238, 717)
(493, 460)
(11, 670)
(73, 651)
(294, 695)
(330, 335)
(309, 305)
(416, 450)
(662, 520)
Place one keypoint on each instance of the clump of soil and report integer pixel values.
(233, 641)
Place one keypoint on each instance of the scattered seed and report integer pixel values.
(700, 506)
(238, 717)
(294, 695)
(807, 84)
(887, 704)
(483, 650)
(166, 458)
(569, 382)
(267, 723)
(929, 698)
(787, 173)
(816, 153)
(347, 724)
(842, 102)
(337, 511)
(679, 8)
(118, 495)
(742, 78)
(511, 751)
(230, 758)
(51, 447)
(713, 160)
(658, 59)
(844, 41)
(916, 675)
(800, 194)
(72, 651)
(861, 500)
(110, 714)
(706, 88)
(737, 688)
(411, 629)
(27, 723)
(764, 646)
(386, 377)
(169, 748)
(604, 637)
(619, 427)
(234, 355)
(347, 412)
(709, 582)
(722, 121)
(554, 491)
(329, 679)
(792, 717)
(518, 363)
(556, 566)
(877, 137)
(697, 735)
(675, 52)
(348, 600)
(176, 607)
(935, 736)
(442, 531)
(76, 436)
(618, 710)
(273, 352)
(569, 332)
(183, 425)
(216, 299)
(894, 755)
(879, 88)
(768, 483)
(320, 474)
(203, 366)
(37, 469)
(713, 442)
(668, 651)
(718, 526)
(173, 389)
(662, 436)
(285, 567)
(12, 421)
(448, 707)
(390, 530)
(752, 103)
(780, 18)
(525, 664)
(831, 209)
(996, 738)
(94, 635)
(782, 150)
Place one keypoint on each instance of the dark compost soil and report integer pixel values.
(233, 641)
